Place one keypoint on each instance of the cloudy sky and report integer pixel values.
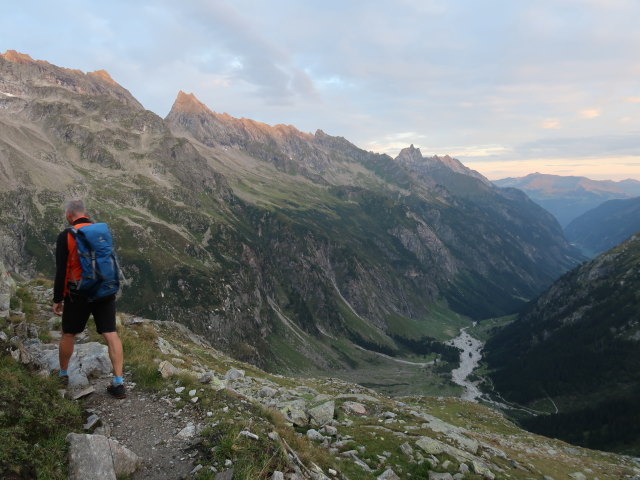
(509, 87)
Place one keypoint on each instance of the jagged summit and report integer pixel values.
(17, 57)
(412, 157)
(22, 76)
(188, 103)
(103, 75)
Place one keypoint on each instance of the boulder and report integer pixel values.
(354, 407)
(167, 370)
(234, 374)
(578, 476)
(485, 472)
(267, 392)
(431, 445)
(96, 457)
(388, 475)
(7, 288)
(166, 348)
(314, 435)
(440, 476)
(322, 414)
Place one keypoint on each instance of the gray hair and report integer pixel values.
(75, 207)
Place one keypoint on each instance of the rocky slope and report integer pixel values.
(291, 250)
(193, 412)
(573, 354)
(605, 226)
(569, 197)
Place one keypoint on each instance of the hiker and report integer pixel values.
(75, 304)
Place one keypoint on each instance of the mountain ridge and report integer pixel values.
(291, 250)
(568, 197)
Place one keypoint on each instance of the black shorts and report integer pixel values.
(78, 308)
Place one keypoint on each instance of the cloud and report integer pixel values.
(550, 124)
(589, 113)
(465, 77)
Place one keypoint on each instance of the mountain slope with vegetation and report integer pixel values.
(576, 349)
(605, 226)
(229, 418)
(295, 251)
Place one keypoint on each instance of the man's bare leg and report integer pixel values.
(115, 352)
(65, 349)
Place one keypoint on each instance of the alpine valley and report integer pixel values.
(298, 252)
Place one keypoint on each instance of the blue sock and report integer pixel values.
(62, 373)
(117, 380)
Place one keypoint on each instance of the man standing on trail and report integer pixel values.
(75, 307)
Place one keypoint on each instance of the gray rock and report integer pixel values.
(126, 462)
(95, 457)
(187, 432)
(388, 475)
(248, 434)
(234, 374)
(440, 476)
(90, 458)
(322, 414)
(277, 475)
(206, 377)
(267, 392)
(389, 415)
(406, 449)
(167, 370)
(166, 348)
(354, 407)
(226, 475)
(315, 435)
(464, 468)
(78, 394)
(3, 337)
(330, 430)
(7, 288)
(484, 471)
(92, 421)
(578, 476)
(431, 445)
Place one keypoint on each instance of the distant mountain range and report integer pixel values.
(605, 226)
(292, 250)
(569, 197)
(577, 349)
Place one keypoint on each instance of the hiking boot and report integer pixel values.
(117, 391)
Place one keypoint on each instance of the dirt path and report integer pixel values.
(148, 425)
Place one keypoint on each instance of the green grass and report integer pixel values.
(34, 421)
(486, 328)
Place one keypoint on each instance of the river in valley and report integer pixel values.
(469, 360)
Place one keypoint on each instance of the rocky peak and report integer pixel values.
(23, 76)
(412, 158)
(188, 103)
(410, 155)
(17, 57)
(103, 75)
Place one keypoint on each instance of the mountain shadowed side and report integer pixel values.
(577, 345)
(569, 197)
(605, 226)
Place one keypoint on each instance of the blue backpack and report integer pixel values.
(100, 270)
